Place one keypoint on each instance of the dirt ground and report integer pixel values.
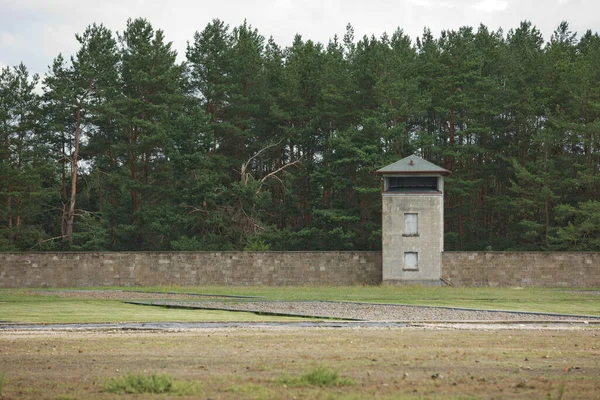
(412, 362)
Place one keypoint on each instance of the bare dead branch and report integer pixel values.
(79, 212)
(261, 150)
(243, 175)
(48, 240)
(274, 174)
(194, 209)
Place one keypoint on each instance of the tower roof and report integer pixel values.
(413, 165)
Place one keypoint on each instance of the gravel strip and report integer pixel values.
(369, 312)
(144, 330)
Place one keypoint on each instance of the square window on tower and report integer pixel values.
(411, 224)
(411, 261)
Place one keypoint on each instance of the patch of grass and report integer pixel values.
(319, 376)
(155, 383)
(139, 383)
(24, 306)
(2, 383)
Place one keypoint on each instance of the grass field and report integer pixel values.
(374, 363)
(317, 363)
(23, 305)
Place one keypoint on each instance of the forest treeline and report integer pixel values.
(248, 145)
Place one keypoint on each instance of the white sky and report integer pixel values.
(36, 31)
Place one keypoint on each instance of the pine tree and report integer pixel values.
(23, 163)
(76, 98)
(152, 97)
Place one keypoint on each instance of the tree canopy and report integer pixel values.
(247, 145)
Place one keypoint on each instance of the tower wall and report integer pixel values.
(428, 243)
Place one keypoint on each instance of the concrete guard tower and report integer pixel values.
(413, 221)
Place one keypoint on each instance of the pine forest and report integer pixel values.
(241, 144)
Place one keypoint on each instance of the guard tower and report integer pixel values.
(413, 221)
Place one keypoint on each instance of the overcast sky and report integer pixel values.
(36, 31)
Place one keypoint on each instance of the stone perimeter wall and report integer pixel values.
(540, 269)
(189, 269)
(546, 269)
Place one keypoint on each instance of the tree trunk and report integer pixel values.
(19, 163)
(133, 169)
(9, 217)
(70, 217)
(63, 170)
(460, 231)
(451, 134)
(547, 215)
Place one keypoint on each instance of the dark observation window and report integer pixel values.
(413, 184)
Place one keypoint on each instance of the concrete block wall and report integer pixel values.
(287, 268)
(539, 269)
(189, 269)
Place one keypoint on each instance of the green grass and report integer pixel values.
(156, 384)
(2, 383)
(138, 383)
(24, 305)
(319, 376)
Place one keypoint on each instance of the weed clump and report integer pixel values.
(139, 383)
(319, 376)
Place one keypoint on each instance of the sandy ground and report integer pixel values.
(248, 363)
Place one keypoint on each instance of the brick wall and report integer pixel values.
(287, 268)
(547, 269)
(189, 269)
